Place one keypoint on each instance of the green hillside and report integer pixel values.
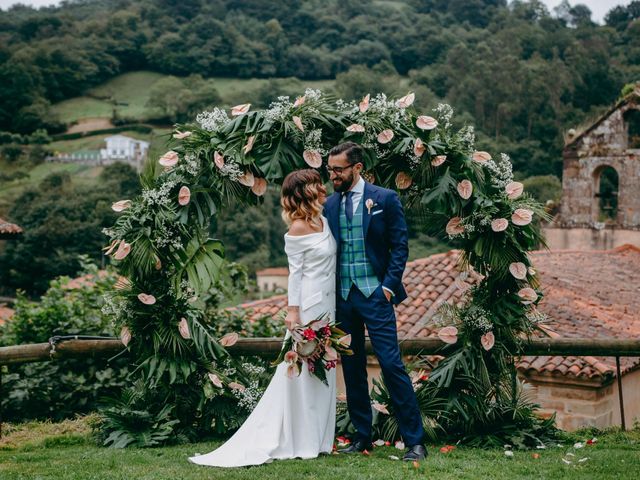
(128, 94)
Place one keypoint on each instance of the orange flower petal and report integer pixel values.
(406, 101)
(465, 189)
(184, 195)
(248, 180)
(364, 104)
(146, 299)
(518, 270)
(229, 339)
(438, 160)
(418, 148)
(448, 334)
(499, 224)
(259, 186)
(480, 157)
(385, 136)
(454, 226)
(403, 180)
(313, 158)
(240, 109)
(424, 122)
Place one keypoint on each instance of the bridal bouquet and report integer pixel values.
(317, 344)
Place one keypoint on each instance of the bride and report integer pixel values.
(295, 418)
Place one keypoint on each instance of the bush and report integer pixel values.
(62, 388)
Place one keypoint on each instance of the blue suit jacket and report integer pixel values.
(385, 233)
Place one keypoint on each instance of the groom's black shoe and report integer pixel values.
(415, 453)
(358, 446)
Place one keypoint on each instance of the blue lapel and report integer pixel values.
(332, 208)
(368, 194)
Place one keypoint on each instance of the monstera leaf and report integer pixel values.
(200, 263)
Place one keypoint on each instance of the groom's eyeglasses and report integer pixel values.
(338, 170)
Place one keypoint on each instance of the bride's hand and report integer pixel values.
(293, 318)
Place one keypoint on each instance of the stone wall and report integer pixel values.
(606, 144)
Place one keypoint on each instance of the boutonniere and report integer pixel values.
(369, 204)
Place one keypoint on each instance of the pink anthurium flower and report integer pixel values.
(313, 158)
(454, 226)
(259, 186)
(403, 180)
(183, 328)
(158, 263)
(249, 145)
(293, 370)
(488, 340)
(248, 180)
(499, 224)
(123, 250)
(514, 190)
(180, 135)
(518, 270)
(527, 295)
(355, 128)
(522, 217)
(291, 356)
(169, 159)
(147, 299)
(229, 339)
(111, 247)
(125, 335)
(215, 380)
(438, 160)
(218, 160)
(330, 354)
(299, 101)
(385, 136)
(237, 386)
(345, 341)
(424, 122)
(380, 407)
(298, 122)
(465, 189)
(480, 157)
(240, 109)
(120, 205)
(364, 103)
(448, 335)
(418, 148)
(406, 101)
(184, 195)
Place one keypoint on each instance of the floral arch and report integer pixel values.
(161, 245)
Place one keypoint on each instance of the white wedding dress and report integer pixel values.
(295, 418)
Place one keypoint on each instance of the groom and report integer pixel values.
(369, 226)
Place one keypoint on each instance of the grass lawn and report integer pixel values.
(66, 451)
(129, 94)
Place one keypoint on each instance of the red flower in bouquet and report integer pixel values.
(318, 344)
(309, 334)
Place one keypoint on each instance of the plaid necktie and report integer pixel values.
(348, 205)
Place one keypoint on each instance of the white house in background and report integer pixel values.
(121, 148)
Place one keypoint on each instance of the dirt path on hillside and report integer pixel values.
(90, 124)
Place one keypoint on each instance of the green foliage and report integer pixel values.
(178, 100)
(61, 221)
(544, 188)
(64, 388)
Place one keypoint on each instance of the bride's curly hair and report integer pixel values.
(300, 198)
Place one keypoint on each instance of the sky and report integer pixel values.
(598, 7)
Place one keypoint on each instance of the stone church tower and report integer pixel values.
(601, 182)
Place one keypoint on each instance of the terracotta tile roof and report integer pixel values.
(275, 271)
(8, 230)
(5, 313)
(587, 294)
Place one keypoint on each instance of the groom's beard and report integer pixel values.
(341, 184)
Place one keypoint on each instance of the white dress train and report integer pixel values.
(295, 418)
